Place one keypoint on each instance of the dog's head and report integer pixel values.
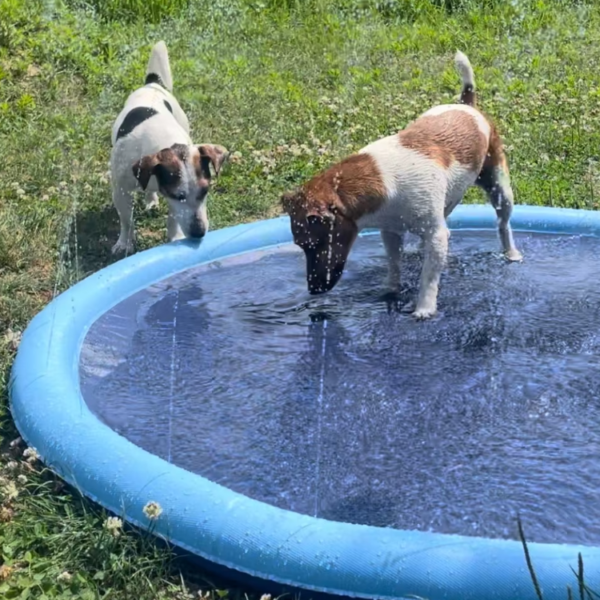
(325, 233)
(183, 176)
(182, 172)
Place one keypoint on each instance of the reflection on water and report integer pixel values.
(334, 406)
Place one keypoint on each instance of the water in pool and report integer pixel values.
(336, 406)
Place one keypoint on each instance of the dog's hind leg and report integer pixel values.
(434, 261)
(151, 199)
(393, 243)
(495, 181)
(123, 201)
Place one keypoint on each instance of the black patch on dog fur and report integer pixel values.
(169, 107)
(154, 78)
(135, 117)
(467, 95)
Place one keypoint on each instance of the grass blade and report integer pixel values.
(534, 579)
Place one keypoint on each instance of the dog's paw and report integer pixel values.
(123, 247)
(151, 201)
(513, 255)
(421, 314)
(392, 301)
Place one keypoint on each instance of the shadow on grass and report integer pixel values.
(97, 230)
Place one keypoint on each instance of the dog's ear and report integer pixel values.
(211, 153)
(294, 202)
(144, 169)
(321, 212)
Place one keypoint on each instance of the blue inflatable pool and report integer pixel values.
(228, 528)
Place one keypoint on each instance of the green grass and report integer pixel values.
(288, 87)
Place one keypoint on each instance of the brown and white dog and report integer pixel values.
(407, 182)
(152, 151)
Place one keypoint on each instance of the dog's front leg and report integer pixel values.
(123, 201)
(393, 243)
(151, 199)
(434, 261)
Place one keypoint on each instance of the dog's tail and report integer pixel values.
(159, 70)
(467, 94)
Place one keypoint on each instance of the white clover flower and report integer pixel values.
(236, 157)
(113, 525)
(65, 576)
(22, 479)
(6, 514)
(9, 491)
(153, 510)
(31, 455)
(13, 338)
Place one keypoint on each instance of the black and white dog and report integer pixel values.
(152, 150)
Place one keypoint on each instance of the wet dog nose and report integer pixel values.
(197, 229)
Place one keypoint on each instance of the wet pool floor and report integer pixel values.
(336, 407)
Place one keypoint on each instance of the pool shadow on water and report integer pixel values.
(133, 386)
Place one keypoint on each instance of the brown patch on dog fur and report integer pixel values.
(495, 154)
(451, 136)
(354, 187)
(166, 165)
(324, 213)
(495, 160)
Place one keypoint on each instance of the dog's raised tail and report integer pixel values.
(159, 70)
(467, 94)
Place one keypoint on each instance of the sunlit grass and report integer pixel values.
(288, 87)
(130, 11)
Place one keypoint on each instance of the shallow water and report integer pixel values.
(334, 406)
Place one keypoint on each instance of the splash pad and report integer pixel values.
(101, 388)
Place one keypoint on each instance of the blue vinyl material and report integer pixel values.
(235, 531)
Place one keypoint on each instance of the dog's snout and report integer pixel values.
(320, 285)
(316, 290)
(197, 228)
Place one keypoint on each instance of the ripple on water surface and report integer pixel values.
(337, 407)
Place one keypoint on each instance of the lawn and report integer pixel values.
(289, 87)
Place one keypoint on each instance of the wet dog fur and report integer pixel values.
(152, 152)
(407, 182)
